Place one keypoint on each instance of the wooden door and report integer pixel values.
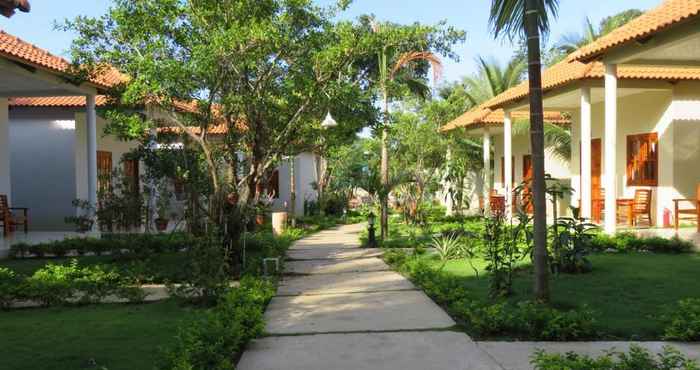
(131, 172)
(596, 172)
(527, 178)
(104, 171)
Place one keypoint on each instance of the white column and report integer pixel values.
(585, 191)
(508, 161)
(5, 180)
(487, 165)
(610, 148)
(91, 133)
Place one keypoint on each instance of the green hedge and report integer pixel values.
(628, 242)
(637, 358)
(216, 338)
(109, 243)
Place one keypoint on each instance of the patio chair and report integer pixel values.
(9, 219)
(693, 212)
(497, 204)
(637, 207)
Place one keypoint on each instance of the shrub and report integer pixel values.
(683, 322)
(9, 287)
(52, 284)
(637, 358)
(215, 339)
(447, 247)
(628, 242)
(95, 283)
(205, 274)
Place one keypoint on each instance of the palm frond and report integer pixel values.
(507, 17)
(406, 58)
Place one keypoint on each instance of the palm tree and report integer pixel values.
(388, 76)
(573, 41)
(493, 79)
(530, 18)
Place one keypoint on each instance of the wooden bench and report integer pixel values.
(9, 219)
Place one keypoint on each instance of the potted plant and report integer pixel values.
(84, 218)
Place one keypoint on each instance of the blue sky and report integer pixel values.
(37, 27)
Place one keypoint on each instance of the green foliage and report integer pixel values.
(683, 321)
(206, 270)
(572, 245)
(9, 287)
(53, 284)
(504, 246)
(637, 358)
(628, 242)
(215, 339)
(447, 247)
(523, 320)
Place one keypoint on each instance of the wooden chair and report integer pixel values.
(9, 219)
(693, 212)
(639, 206)
(497, 204)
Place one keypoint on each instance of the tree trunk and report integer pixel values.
(541, 288)
(384, 219)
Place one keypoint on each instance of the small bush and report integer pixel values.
(628, 242)
(215, 339)
(9, 287)
(52, 284)
(637, 358)
(95, 283)
(683, 322)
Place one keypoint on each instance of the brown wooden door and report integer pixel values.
(527, 178)
(104, 171)
(596, 172)
(131, 172)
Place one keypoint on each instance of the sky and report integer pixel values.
(471, 16)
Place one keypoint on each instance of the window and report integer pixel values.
(104, 171)
(643, 160)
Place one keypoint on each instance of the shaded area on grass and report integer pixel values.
(116, 336)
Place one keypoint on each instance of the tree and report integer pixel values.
(404, 54)
(493, 79)
(266, 71)
(573, 41)
(530, 18)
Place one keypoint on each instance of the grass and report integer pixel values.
(629, 292)
(113, 336)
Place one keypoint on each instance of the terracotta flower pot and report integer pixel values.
(260, 220)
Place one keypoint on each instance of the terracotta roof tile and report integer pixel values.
(15, 48)
(480, 116)
(669, 13)
(56, 101)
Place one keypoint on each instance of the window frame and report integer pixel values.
(636, 165)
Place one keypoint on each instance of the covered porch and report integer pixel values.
(27, 71)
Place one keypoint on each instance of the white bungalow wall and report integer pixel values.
(49, 164)
(675, 115)
(305, 177)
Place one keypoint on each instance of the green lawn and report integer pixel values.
(629, 292)
(115, 337)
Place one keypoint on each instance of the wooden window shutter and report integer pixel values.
(131, 172)
(104, 171)
(643, 160)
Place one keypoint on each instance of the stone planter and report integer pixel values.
(279, 223)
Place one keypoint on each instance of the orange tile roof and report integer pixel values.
(669, 13)
(56, 101)
(481, 116)
(15, 48)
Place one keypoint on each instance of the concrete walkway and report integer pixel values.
(341, 307)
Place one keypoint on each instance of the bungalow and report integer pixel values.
(50, 149)
(634, 101)
(491, 125)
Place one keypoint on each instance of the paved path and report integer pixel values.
(341, 307)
